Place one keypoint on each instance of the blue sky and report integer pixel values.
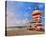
(23, 10)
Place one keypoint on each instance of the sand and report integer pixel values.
(23, 32)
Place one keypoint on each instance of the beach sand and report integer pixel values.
(23, 32)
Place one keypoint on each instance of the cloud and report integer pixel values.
(10, 18)
(13, 21)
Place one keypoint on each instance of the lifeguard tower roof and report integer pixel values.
(36, 12)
